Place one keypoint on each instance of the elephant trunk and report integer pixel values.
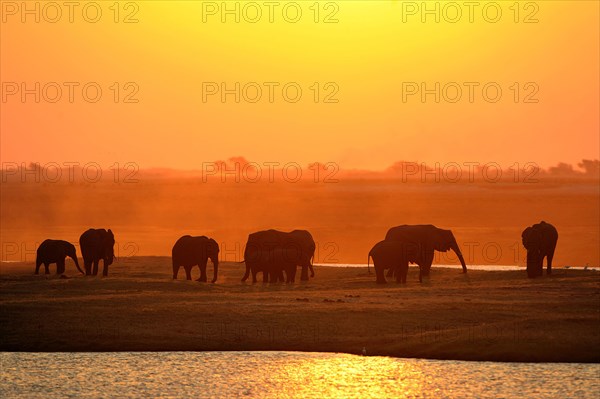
(456, 250)
(77, 264)
(215, 262)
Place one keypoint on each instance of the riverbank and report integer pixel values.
(483, 315)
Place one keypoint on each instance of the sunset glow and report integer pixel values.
(370, 53)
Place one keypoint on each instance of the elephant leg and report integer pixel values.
(380, 275)
(47, 267)
(95, 270)
(288, 275)
(60, 266)
(534, 264)
(265, 276)
(202, 273)
(254, 276)
(175, 272)
(304, 273)
(549, 262)
(398, 272)
(37, 268)
(104, 269)
(427, 265)
(188, 272)
(292, 276)
(403, 271)
(390, 272)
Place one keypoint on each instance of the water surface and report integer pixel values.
(284, 375)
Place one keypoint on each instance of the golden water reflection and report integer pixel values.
(283, 375)
(339, 375)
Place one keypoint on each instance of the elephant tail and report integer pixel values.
(247, 274)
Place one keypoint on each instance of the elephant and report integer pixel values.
(296, 246)
(391, 255)
(190, 251)
(96, 245)
(540, 241)
(419, 243)
(55, 251)
(279, 260)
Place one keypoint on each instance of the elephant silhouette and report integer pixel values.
(55, 251)
(390, 255)
(540, 241)
(419, 243)
(272, 252)
(96, 245)
(191, 251)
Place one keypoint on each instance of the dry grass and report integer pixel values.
(499, 316)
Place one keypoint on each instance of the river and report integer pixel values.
(284, 375)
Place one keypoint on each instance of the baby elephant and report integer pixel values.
(540, 242)
(389, 255)
(55, 251)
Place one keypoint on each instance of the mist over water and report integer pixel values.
(283, 375)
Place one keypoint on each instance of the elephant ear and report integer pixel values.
(442, 240)
(111, 237)
(213, 246)
(531, 237)
(448, 240)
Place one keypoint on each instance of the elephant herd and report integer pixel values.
(277, 254)
(416, 244)
(411, 243)
(271, 252)
(95, 244)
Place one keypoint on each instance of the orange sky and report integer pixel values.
(368, 56)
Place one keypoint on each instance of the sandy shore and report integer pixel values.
(499, 316)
